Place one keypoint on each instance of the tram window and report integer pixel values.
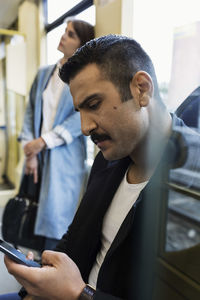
(182, 228)
(183, 224)
(55, 10)
(169, 39)
(173, 42)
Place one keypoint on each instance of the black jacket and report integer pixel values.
(129, 266)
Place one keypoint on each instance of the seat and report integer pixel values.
(189, 110)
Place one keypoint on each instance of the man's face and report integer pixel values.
(116, 127)
(69, 41)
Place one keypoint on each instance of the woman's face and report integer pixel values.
(69, 41)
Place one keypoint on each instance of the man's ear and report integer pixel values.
(142, 88)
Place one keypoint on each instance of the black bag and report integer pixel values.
(19, 216)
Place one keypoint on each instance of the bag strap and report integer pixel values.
(28, 188)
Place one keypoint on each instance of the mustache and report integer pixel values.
(95, 137)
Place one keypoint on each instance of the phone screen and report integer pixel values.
(17, 256)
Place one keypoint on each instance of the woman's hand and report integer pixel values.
(31, 167)
(34, 147)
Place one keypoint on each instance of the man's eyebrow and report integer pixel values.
(86, 100)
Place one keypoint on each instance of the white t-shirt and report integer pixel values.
(123, 200)
(51, 97)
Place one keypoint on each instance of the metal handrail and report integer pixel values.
(184, 190)
(81, 6)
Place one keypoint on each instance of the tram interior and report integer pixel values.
(22, 31)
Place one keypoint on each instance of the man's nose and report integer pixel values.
(87, 124)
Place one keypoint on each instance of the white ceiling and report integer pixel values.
(8, 12)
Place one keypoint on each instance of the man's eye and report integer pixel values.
(94, 105)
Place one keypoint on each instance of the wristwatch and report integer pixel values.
(87, 293)
(22, 293)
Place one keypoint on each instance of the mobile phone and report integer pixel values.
(17, 256)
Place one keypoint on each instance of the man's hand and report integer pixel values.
(28, 297)
(59, 278)
(34, 147)
(31, 167)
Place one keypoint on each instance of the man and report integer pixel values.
(111, 243)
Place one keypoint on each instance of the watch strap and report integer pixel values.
(87, 293)
(22, 293)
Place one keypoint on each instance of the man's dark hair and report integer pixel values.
(118, 57)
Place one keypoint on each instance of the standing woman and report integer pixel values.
(53, 142)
